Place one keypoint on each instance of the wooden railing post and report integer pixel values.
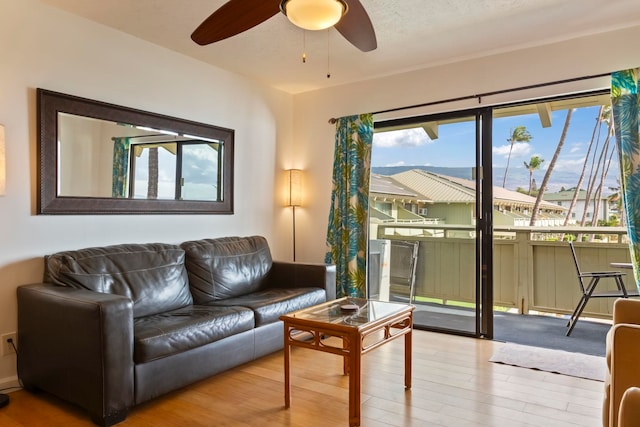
(524, 270)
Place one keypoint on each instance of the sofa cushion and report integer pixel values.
(152, 275)
(269, 305)
(189, 327)
(226, 267)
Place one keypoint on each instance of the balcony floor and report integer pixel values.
(588, 336)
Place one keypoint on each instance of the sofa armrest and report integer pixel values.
(302, 275)
(78, 345)
(625, 371)
(626, 310)
(629, 408)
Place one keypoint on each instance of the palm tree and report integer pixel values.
(584, 168)
(152, 189)
(591, 186)
(519, 134)
(547, 175)
(605, 167)
(534, 164)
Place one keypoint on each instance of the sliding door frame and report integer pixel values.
(483, 213)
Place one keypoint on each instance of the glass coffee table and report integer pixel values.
(363, 325)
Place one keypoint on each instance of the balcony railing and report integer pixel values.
(532, 270)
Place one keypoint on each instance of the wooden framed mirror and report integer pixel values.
(100, 158)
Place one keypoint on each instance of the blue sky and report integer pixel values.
(455, 147)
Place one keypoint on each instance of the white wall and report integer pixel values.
(584, 56)
(85, 156)
(43, 47)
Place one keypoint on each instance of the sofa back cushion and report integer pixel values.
(152, 275)
(226, 267)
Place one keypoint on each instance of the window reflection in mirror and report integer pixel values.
(99, 158)
(184, 170)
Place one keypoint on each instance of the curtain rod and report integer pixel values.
(479, 96)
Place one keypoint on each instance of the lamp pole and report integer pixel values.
(294, 233)
(293, 198)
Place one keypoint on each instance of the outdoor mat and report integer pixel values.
(556, 361)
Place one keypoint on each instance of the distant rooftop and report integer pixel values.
(448, 189)
(381, 185)
(567, 195)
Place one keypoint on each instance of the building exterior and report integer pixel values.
(564, 198)
(441, 199)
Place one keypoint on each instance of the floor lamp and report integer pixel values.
(293, 197)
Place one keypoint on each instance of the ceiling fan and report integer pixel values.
(236, 16)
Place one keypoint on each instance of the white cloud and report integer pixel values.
(573, 165)
(520, 149)
(400, 163)
(401, 138)
(576, 148)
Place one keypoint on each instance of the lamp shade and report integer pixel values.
(314, 14)
(3, 163)
(293, 190)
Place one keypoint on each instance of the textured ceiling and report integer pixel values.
(412, 34)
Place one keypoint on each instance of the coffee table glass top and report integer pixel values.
(333, 312)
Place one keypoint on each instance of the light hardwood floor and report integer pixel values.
(453, 385)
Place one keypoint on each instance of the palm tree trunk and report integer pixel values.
(603, 175)
(592, 182)
(574, 201)
(506, 169)
(592, 179)
(547, 175)
(152, 189)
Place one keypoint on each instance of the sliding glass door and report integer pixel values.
(470, 211)
(430, 219)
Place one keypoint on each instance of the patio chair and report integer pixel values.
(402, 271)
(588, 290)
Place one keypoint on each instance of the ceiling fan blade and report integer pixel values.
(357, 28)
(233, 18)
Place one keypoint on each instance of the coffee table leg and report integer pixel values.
(355, 358)
(287, 357)
(407, 358)
(345, 359)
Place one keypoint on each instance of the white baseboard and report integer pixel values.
(10, 383)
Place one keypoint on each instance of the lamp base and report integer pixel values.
(4, 400)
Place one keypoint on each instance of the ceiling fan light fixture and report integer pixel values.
(314, 14)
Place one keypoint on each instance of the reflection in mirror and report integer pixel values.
(99, 158)
(181, 170)
(102, 158)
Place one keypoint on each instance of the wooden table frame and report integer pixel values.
(309, 333)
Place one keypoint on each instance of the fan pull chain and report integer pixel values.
(304, 46)
(328, 54)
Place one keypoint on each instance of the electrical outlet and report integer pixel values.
(7, 348)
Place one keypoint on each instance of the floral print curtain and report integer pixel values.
(625, 102)
(120, 174)
(348, 217)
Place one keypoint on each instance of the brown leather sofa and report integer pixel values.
(116, 326)
(623, 357)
